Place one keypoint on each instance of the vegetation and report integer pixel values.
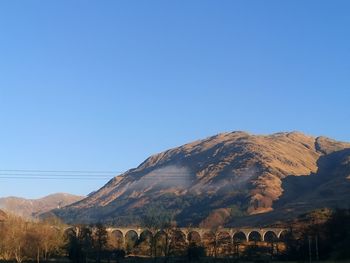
(157, 220)
(23, 241)
(328, 239)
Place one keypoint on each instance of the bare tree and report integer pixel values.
(100, 240)
(22, 240)
(156, 221)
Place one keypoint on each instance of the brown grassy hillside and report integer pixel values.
(225, 178)
(33, 207)
(2, 215)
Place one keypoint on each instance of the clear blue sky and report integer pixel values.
(101, 85)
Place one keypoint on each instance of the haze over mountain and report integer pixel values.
(34, 207)
(229, 179)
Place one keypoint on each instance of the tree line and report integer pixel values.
(22, 240)
(320, 239)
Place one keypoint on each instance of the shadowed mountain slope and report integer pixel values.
(223, 179)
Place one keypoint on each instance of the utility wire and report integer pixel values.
(87, 177)
(82, 175)
(60, 171)
(165, 177)
(68, 175)
(84, 172)
(93, 175)
(51, 178)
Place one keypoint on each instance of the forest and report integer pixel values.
(50, 240)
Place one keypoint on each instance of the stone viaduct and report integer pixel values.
(188, 234)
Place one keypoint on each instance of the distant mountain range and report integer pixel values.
(30, 208)
(229, 179)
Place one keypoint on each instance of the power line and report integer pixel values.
(18, 174)
(55, 177)
(95, 175)
(52, 178)
(60, 171)
(68, 175)
(38, 174)
(89, 176)
(157, 171)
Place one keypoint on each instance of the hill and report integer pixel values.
(229, 179)
(2, 215)
(34, 207)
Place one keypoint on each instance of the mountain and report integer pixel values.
(3, 216)
(229, 179)
(34, 207)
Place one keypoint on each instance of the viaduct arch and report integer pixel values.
(198, 234)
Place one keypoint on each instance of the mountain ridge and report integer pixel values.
(31, 208)
(221, 178)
